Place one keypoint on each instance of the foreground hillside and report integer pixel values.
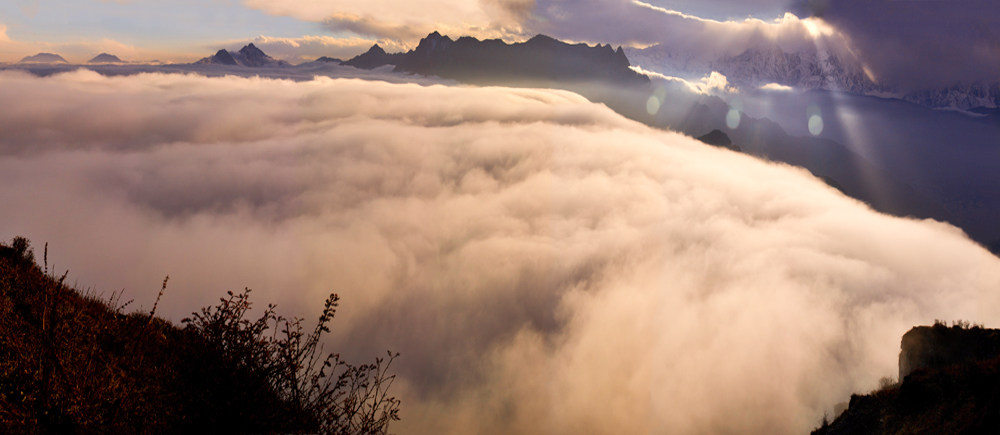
(950, 385)
(74, 363)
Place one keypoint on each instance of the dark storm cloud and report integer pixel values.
(907, 45)
(920, 43)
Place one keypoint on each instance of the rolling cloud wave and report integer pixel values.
(543, 264)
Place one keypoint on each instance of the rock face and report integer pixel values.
(950, 385)
(249, 56)
(807, 70)
(936, 347)
(493, 61)
(44, 58)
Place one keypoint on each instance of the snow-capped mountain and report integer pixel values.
(964, 97)
(758, 67)
(663, 60)
(809, 70)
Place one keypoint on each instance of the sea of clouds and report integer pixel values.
(543, 264)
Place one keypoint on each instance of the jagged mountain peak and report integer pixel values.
(254, 56)
(249, 55)
(250, 48)
(495, 61)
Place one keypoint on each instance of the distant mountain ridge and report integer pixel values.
(494, 61)
(249, 56)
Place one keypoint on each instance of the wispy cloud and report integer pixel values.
(776, 87)
(372, 27)
(714, 83)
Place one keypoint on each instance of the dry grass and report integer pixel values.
(75, 363)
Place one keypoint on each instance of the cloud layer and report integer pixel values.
(543, 264)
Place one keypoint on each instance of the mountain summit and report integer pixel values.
(44, 58)
(249, 56)
(105, 58)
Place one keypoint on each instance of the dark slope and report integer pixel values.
(845, 170)
(827, 159)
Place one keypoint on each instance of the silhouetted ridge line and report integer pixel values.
(493, 61)
(374, 58)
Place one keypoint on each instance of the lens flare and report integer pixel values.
(814, 118)
(653, 105)
(733, 119)
(815, 125)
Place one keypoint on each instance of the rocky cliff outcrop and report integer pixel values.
(939, 346)
(950, 384)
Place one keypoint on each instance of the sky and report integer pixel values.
(909, 44)
(544, 265)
